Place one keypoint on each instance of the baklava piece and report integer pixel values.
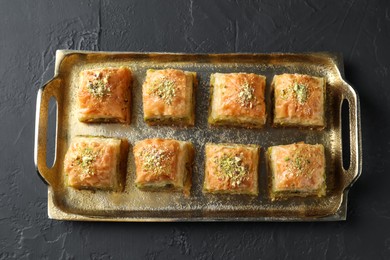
(232, 169)
(237, 99)
(104, 95)
(297, 170)
(96, 163)
(299, 100)
(163, 164)
(168, 97)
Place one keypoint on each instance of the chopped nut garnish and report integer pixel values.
(98, 87)
(232, 168)
(164, 89)
(246, 95)
(301, 92)
(298, 164)
(155, 160)
(85, 158)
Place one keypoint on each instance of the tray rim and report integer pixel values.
(55, 212)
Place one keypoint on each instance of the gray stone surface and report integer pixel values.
(31, 31)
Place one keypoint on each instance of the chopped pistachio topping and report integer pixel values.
(298, 164)
(98, 87)
(154, 160)
(232, 168)
(301, 92)
(246, 95)
(85, 159)
(164, 89)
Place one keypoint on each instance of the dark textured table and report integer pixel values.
(31, 32)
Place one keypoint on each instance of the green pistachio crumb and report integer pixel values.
(154, 160)
(298, 164)
(164, 89)
(85, 159)
(232, 168)
(301, 92)
(246, 95)
(98, 87)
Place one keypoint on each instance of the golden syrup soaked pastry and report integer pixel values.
(237, 99)
(297, 170)
(231, 168)
(96, 163)
(168, 97)
(163, 164)
(299, 100)
(104, 95)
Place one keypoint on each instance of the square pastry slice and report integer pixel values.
(168, 97)
(163, 164)
(231, 168)
(96, 163)
(299, 100)
(237, 99)
(297, 170)
(104, 95)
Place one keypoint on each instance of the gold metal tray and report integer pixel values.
(134, 205)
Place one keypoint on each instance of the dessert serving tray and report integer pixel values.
(65, 203)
